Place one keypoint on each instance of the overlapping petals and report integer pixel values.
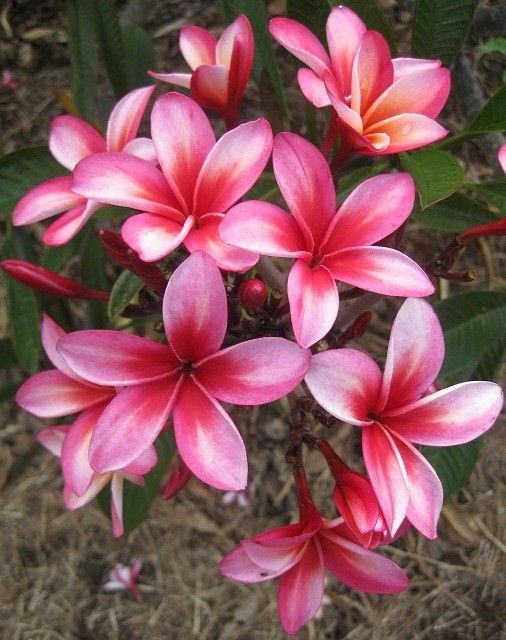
(185, 377)
(299, 555)
(328, 245)
(200, 179)
(70, 140)
(397, 409)
(221, 69)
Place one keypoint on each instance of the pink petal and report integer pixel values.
(360, 568)
(313, 88)
(314, 302)
(152, 236)
(408, 131)
(144, 463)
(415, 355)
(363, 218)
(131, 423)
(347, 115)
(117, 505)
(50, 333)
(183, 138)
(304, 179)
(301, 589)
(209, 87)
(372, 71)
(403, 66)
(241, 53)
(126, 117)
(356, 502)
(379, 269)
(64, 228)
(195, 308)
(72, 501)
(208, 440)
(127, 181)
(301, 43)
(346, 383)
(424, 92)
(236, 565)
(502, 157)
(451, 416)
(72, 139)
(387, 473)
(206, 238)
(228, 172)
(179, 79)
(45, 200)
(277, 559)
(344, 34)
(116, 358)
(265, 228)
(75, 464)
(425, 490)
(142, 148)
(52, 438)
(238, 31)
(51, 394)
(254, 372)
(197, 45)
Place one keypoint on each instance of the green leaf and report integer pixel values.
(455, 214)
(312, 13)
(264, 56)
(93, 260)
(494, 191)
(437, 174)
(124, 289)
(494, 45)
(83, 56)
(112, 46)
(349, 181)
(265, 188)
(22, 170)
(140, 56)
(453, 465)
(7, 356)
(8, 391)
(474, 326)
(137, 500)
(55, 258)
(492, 116)
(373, 17)
(440, 28)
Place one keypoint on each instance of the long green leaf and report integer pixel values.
(8, 391)
(93, 261)
(437, 174)
(22, 170)
(112, 46)
(124, 289)
(7, 355)
(453, 465)
(454, 214)
(83, 56)
(492, 116)
(440, 28)
(140, 56)
(494, 191)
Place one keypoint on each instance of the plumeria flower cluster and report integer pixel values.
(248, 295)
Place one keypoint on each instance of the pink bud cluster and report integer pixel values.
(239, 341)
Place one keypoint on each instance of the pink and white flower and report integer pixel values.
(124, 578)
(395, 411)
(384, 106)
(200, 179)
(70, 140)
(220, 69)
(327, 245)
(187, 377)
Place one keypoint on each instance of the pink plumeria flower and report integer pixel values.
(328, 245)
(502, 157)
(384, 106)
(394, 411)
(186, 377)
(124, 578)
(82, 484)
(200, 179)
(299, 554)
(221, 69)
(70, 140)
(7, 81)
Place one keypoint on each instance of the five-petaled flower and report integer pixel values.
(394, 410)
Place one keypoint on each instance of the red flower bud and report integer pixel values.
(491, 229)
(253, 294)
(50, 282)
(176, 481)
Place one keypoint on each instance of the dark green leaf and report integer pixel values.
(312, 13)
(137, 500)
(492, 116)
(93, 261)
(494, 45)
(373, 17)
(440, 28)
(83, 56)
(453, 465)
(474, 326)
(124, 289)
(265, 188)
(55, 258)
(140, 56)
(112, 47)
(7, 356)
(437, 174)
(22, 170)
(494, 192)
(8, 391)
(455, 214)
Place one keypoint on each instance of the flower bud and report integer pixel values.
(176, 481)
(253, 294)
